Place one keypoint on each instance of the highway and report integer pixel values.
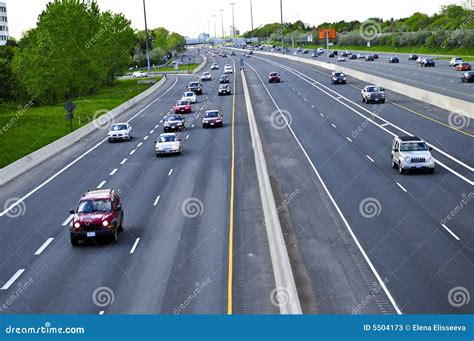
(361, 238)
(441, 79)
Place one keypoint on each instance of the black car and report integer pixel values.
(332, 55)
(393, 60)
(335, 53)
(353, 56)
(195, 87)
(338, 78)
(173, 122)
(305, 51)
(427, 63)
(224, 89)
(413, 57)
(369, 58)
(224, 79)
(468, 77)
(232, 53)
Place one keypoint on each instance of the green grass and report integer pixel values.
(23, 131)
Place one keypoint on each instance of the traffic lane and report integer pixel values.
(456, 143)
(456, 88)
(438, 194)
(329, 271)
(43, 214)
(87, 264)
(395, 247)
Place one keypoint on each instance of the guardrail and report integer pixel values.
(32, 160)
(442, 101)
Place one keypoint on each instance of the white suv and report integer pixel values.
(411, 153)
(189, 96)
(228, 69)
(120, 131)
(455, 61)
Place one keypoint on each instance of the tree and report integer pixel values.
(8, 82)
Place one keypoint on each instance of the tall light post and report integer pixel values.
(232, 4)
(222, 22)
(251, 15)
(215, 29)
(209, 28)
(282, 28)
(147, 39)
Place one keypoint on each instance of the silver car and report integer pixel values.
(169, 143)
(411, 153)
(373, 93)
(120, 131)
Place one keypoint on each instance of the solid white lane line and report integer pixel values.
(140, 144)
(132, 251)
(403, 188)
(123, 161)
(450, 232)
(156, 201)
(371, 160)
(67, 221)
(44, 246)
(348, 139)
(333, 125)
(113, 172)
(145, 138)
(12, 279)
(101, 184)
(171, 172)
(58, 173)
(133, 152)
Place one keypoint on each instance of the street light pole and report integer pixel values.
(251, 15)
(147, 39)
(282, 28)
(222, 22)
(215, 29)
(233, 24)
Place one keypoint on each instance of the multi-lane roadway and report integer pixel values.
(361, 238)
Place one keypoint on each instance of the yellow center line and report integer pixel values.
(231, 212)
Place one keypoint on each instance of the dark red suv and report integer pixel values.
(274, 77)
(98, 214)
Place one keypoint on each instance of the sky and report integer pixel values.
(191, 17)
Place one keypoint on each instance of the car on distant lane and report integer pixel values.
(455, 61)
(360, 56)
(224, 89)
(120, 131)
(189, 96)
(195, 87)
(373, 93)
(224, 79)
(215, 66)
(413, 57)
(274, 77)
(393, 60)
(369, 58)
(206, 76)
(212, 118)
(353, 56)
(139, 74)
(411, 153)
(341, 59)
(427, 62)
(338, 78)
(463, 67)
(173, 122)
(99, 213)
(168, 143)
(467, 77)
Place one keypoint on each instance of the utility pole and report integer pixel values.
(251, 15)
(147, 39)
(232, 4)
(215, 28)
(209, 28)
(282, 28)
(222, 22)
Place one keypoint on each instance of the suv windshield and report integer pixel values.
(413, 147)
(119, 127)
(338, 74)
(374, 89)
(193, 84)
(92, 206)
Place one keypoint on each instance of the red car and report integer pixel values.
(183, 107)
(274, 77)
(463, 67)
(98, 214)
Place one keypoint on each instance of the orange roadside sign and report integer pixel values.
(327, 32)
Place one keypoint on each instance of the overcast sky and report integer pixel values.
(190, 17)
